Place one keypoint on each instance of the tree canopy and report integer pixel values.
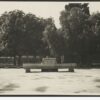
(78, 39)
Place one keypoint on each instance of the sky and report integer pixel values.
(43, 9)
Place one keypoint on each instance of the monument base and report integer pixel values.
(71, 70)
(49, 70)
(27, 70)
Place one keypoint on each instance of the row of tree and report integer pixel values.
(78, 39)
(26, 34)
(81, 32)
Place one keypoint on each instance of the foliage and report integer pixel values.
(26, 34)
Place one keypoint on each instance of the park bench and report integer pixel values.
(49, 65)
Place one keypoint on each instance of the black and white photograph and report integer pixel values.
(49, 48)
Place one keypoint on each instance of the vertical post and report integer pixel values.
(62, 59)
(14, 61)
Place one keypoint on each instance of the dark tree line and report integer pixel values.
(78, 39)
(81, 32)
(26, 34)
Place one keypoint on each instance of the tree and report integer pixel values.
(74, 22)
(95, 27)
(22, 34)
(12, 28)
(33, 34)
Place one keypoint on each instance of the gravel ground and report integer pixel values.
(81, 82)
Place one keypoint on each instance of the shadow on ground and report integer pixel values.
(97, 80)
(98, 86)
(9, 87)
(41, 89)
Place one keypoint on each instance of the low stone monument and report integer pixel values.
(50, 65)
(49, 62)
